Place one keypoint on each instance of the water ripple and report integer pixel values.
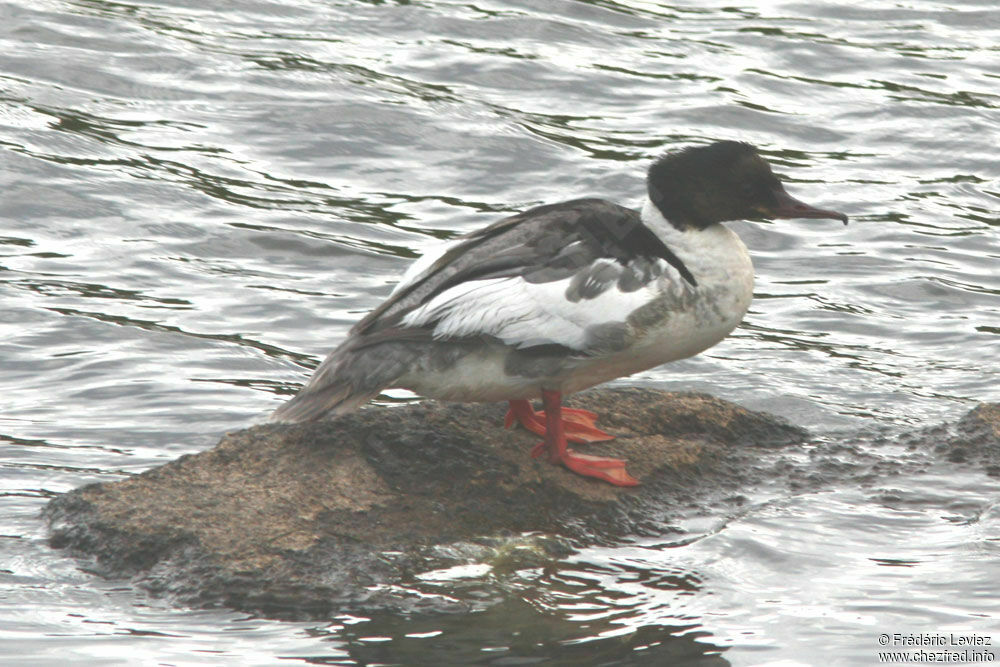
(199, 201)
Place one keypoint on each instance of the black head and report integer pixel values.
(728, 180)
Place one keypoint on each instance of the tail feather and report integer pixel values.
(345, 381)
(321, 403)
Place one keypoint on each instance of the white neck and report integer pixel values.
(652, 218)
(712, 253)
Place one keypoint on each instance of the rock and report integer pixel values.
(298, 521)
(977, 439)
(306, 521)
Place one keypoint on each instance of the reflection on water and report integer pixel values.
(198, 202)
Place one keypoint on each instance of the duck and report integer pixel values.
(563, 297)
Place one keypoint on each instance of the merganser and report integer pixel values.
(562, 297)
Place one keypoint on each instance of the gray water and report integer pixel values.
(199, 199)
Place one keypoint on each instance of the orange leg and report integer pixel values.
(555, 448)
(578, 425)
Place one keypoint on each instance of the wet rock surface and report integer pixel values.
(301, 521)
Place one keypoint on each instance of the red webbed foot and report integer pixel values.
(578, 425)
(608, 469)
(555, 428)
(601, 467)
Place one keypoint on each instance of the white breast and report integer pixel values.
(676, 325)
(718, 260)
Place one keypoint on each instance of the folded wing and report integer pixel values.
(559, 274)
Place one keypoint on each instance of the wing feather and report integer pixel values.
(527, 314)
(556, 274)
